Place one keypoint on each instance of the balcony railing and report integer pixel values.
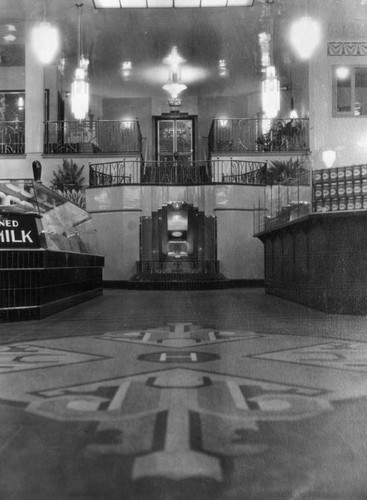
(176, 173)
(238, 135)
(12, 137)
(100, 136)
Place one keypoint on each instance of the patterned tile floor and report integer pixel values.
(220, 395)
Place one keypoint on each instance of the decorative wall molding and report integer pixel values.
(347, 49)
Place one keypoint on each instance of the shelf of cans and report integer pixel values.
(341, 188)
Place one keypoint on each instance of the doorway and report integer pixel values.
(175, 139)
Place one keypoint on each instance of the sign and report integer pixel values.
(19, 231)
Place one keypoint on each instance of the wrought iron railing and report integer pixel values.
(12, 137)
(186, 173)
(237, 135)
(100, 136)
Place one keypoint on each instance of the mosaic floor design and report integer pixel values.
(342, 355)
(180, 400)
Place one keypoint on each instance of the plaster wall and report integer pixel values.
(347, 136)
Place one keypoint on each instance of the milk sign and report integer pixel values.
(19, 231)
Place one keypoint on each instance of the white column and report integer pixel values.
(34, 103)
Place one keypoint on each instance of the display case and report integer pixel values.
(33, 216)
(287, 194)
(48, 255)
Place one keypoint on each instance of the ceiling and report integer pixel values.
(202, 36)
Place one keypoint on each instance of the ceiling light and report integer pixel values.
(271, 93)
(187, 3)
(213, 3)
(159, 3)
(11, 27)
(241, 3)
(45, 42)
(106, 4)
(80, 85)
(305, 34)
(126, 65)
(9, 38)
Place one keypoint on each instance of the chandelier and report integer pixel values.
(45, 40)
(80, 85)
(270, 85)
(271, 93)
(174, 87)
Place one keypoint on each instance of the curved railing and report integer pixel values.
(177, 173)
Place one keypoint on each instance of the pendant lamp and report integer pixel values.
(45, 40)
(80, 85)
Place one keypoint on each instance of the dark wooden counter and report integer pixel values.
(319, 260)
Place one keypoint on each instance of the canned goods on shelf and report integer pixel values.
(348, 173)
(325, 190)
(357, 187)
(358, 203)
(357, 171)
(364, 171)
(334, 174)
(327, 206)
(334, 204)
(341, 189)
(349, 189)
(350, 203)
(317, 176)
(364, 186)
(364, 202)
(333, 189)
(343, 203)
(341, 173)
(325, 175)
(319, 206)
(318, 191)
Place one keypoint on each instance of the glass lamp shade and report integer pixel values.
(45, 42)
(79, 95)
(305, 34)
(270, 93)
(174, 89)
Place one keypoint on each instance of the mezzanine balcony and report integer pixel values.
(129, 171)
(92, 136)
(241, 135)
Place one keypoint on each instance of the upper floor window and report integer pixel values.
(349, 90)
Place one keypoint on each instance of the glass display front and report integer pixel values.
(287, 195)
(61, 225)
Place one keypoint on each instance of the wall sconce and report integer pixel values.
(328, 157)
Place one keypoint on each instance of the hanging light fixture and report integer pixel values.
(270, 84)
(271, 93)
(80, 85)
(305, 36)
(45, 40)
(174, 87)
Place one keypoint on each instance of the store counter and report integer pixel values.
(319, 260)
